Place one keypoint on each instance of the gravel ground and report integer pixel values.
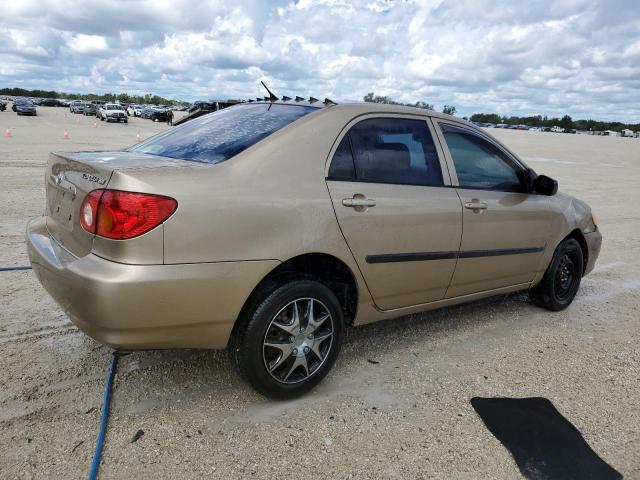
(406, 417)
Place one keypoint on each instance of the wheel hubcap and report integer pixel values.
(298, 340)
(565, 276)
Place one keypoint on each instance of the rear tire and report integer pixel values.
(561, 281)
(283, 351)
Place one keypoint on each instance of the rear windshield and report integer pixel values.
(218, 136)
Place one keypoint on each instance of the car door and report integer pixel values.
(505, 227)
(391, 194)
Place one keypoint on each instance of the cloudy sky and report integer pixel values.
(580, 57)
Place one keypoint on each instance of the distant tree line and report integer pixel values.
(373, 98)
(105, 97)
(565, 122)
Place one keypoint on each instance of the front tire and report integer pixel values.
(561, 281)
(291, 339)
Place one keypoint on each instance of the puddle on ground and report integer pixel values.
(544, 444)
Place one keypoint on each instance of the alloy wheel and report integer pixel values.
(298, 340)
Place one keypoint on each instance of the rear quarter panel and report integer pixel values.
(268, 203)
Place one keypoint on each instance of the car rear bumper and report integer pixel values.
(144, 306)
(594, 242)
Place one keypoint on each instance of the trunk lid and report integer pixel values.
(71, 176)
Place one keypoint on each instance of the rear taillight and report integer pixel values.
(121, 215)
(89, 211)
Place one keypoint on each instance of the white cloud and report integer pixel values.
(575, 56)
(82, 43)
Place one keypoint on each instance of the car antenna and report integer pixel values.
(272, 97)
(286, 99)
(328, 101)
(312, 99)
(299, 98)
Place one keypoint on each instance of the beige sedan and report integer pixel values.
(269, 227)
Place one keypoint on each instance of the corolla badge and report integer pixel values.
(94, 178)
(59, 178)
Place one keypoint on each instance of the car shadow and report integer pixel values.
(544, 444)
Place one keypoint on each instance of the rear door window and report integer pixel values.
(218, 136)
(388, 150)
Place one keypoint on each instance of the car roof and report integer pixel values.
(363, 108)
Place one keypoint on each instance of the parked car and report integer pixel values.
(268, 228)
(557, 129)
(112, 112)
(131, 110)
(200, 104)
(77, 106)
(99, 104)
(146, 111)
(158, 115)
(50, 102)
(3, 106)
(24, 107)
(89, 109)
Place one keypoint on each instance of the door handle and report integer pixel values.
(359, 202)
(476, 205)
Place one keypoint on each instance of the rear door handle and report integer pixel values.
(476, 205)
(359, 202)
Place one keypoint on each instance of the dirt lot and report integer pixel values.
(407, 416)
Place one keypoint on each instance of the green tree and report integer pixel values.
(373, 98)
(449, 110)
(566, 122)
(425, 105)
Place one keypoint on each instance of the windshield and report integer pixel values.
(113, 107)
(218, 136)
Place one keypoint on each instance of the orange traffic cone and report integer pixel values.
(8, 133)
(138, 137)
(66, 135)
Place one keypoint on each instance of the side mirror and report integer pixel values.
(545, 185)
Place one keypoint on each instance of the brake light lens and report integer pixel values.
(122, 215)
(89, 211)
